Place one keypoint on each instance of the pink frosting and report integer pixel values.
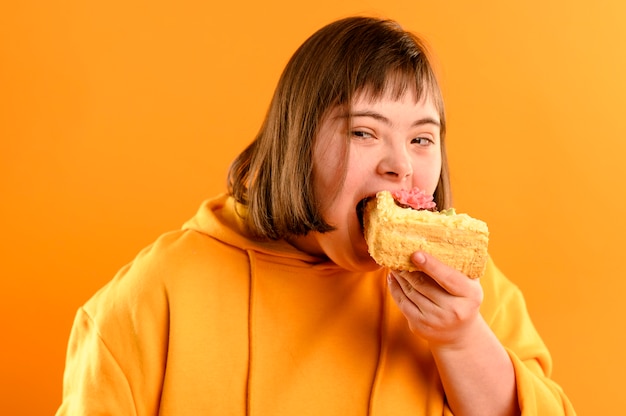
(414, 198)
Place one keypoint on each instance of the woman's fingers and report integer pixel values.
(438, 301)
(451, 280)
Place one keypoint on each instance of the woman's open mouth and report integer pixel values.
(360, 209)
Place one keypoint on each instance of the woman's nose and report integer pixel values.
(395, 163)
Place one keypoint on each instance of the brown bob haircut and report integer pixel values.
(273, 176)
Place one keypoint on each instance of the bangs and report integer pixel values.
(396, 83)
(390, 65)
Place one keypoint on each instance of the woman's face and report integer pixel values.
(393, 144)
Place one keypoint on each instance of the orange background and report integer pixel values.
(118, 118)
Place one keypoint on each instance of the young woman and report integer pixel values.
(267, 301)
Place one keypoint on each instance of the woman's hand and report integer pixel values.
(440, 303)
(443, 306)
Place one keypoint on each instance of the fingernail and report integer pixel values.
(420, 258)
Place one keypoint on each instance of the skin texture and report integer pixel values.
(395, 144)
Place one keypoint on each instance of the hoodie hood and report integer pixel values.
(222, 218)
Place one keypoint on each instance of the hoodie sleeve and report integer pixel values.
(118, 344)
(505, 311)
(93, 382)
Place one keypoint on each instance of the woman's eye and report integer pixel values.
(361, 134)
(422, 141)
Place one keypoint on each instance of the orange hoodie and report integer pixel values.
(206, 321)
